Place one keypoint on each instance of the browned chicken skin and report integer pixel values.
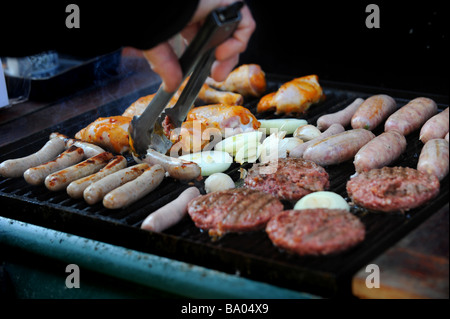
(212, 122)
(207, 95)
(295, 96)
(247, 79)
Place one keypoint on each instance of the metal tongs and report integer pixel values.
(146, 131)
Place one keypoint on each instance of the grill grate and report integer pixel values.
(252, 254)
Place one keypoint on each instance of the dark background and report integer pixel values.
(409, 51)
(328, 38)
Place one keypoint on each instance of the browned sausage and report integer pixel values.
(89, 149)
(76, 188)
(134, 190)
(60, 179)
(96, 191)
(338, 148)
(373, 111)
(36, 175)
(411, 116)
(380, 151)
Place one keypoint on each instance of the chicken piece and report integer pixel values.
(215, 121)
(295, 96)
(207, 95)
(247, 79)
(110, 133)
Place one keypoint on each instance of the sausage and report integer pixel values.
(411, 116)
(97, 190)
(89, 149)
(435, 127)
(16, 167)
(433, 158)
(380, 151)
(342, 117)
(134, 190)
(77, 187)
(338, 148)
(373, 111)
(171, 213)
(177, 168)
(60, 179)
(36, 175)
(332, 130)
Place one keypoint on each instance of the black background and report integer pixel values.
(409, 51)
(328, 38)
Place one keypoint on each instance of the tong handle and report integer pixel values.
(218, 26)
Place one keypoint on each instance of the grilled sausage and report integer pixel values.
(332, 130)
(89, 149)
(60, 179)
(177, 168)
(36, 175)
(373, 111)
(134, 190)
(380, 151)
(171, 213)
(411, 116)
(435, 127)
(96, 191)
(16, 167)
(338, 148)
(434, 157)
(77, 187)
(342, 117)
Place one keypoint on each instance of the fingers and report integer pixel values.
(164, 62)
(238, 42)
(221, 69)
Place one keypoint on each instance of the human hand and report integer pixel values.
(164, 61)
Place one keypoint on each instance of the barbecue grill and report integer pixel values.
(184, 261)
(252, 255)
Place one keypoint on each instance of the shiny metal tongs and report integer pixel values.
(146, 131)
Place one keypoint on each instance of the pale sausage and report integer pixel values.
(342, 117)
(16, 167)
(134, 190)
(171, 213)
(338, 148)
(380, 151)
(433, 158)
(373, 111)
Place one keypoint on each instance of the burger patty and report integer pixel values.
(318, 231)
(392, 189)
(233, 210)
(290, 179)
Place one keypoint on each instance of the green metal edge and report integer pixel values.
(137, 267)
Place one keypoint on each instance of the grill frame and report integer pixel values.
(235, 253)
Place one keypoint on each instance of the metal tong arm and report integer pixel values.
(218, 26)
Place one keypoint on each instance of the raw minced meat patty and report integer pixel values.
(392, 189)
(320, 231)
(233, 210)
(292, 179)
